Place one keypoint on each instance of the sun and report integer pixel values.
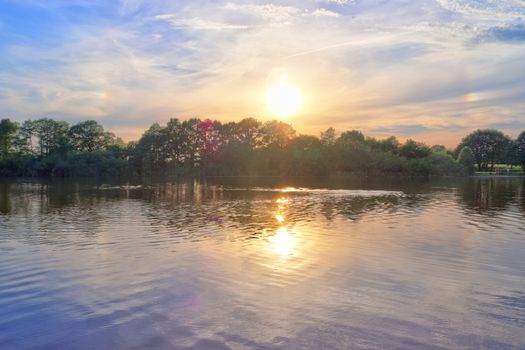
(283, 99)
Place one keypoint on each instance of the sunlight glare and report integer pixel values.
(283, 242)
(283, 99)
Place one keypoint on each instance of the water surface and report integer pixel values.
(253, 264)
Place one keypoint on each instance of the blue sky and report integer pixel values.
(429, 69)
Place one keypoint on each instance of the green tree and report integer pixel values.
(7, 133)
(489, 147)
(23, 142)
(511, 154)
(191, 151)
(520, 149)
(328, 137)
(277, 134)
(305, 156)
(52, 136)
(352, 136)
(438, 149)
(351, 153)
(89, 136)
(413, 150)
(390, 144)
(149, 148)
(467, 160)
(246, 132)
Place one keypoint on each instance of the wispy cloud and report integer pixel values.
(268, 12)
(509, 33)
(198, 23)
(324, 13)
(339, 2)
(432, 68)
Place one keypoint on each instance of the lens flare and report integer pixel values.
(283, 99)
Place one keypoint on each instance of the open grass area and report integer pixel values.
(504, 169)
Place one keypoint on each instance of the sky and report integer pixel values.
(432, 70)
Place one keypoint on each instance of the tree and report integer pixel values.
(23, 142)
(466, 158)
(520, 149)
(413, 150)
(439, 149)
(211, 141)
(353, 136)
(191, 151)
(52, 136)
(7, 133)
(351, 152)
(90, 136)
(488, 146)
(328, 137)
(390, 144)
(511, 154)
(210, 147)
(305, 156)
(240, 141)
(246, 132)
(147, 152)
(277, 134)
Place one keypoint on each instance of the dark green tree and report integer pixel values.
(467, 160)
(353, 136)
(520, 149)
(439, 149)
(247, 132)
(52, 136)
(413, 150)
(7, 133)
(276, 134)
(489, 147)
(390, 144)
(328, 137)
(305, 156)
(89, 136)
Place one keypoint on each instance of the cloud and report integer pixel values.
(413, 129)
(268, 12)
(381, 66)
(340, 2)
(324, 13)
(514, 124)
(512, 33)
(198, 23)
(272, 13)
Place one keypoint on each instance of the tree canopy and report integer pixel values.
(489, 146)
(46, 147)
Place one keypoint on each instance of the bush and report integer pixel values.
(466, 159)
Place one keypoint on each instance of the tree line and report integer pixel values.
(46, 147)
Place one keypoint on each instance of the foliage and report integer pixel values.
(90, 136)
(7, 132)
(467, 160)
(328, 136)
(46, 147)
(489, 147)
(413, 150)
(520, 149)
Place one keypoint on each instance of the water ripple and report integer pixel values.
(196, 265)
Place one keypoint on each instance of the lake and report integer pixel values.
(263, 264)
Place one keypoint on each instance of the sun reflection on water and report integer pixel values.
(289, 189)
(282, 201)
(283, 242)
